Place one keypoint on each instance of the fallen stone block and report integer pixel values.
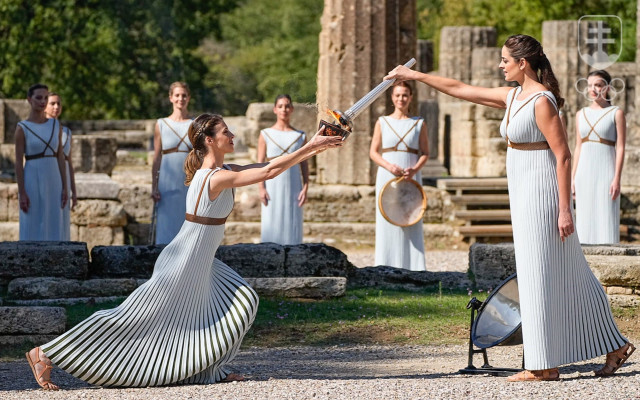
(123, 261)
(54, 288)
(316, 259)
(398, 278)
(258, 260)
(304, 287)
(32, 320)
(55, 259)
(68, 301)
(23, 340)
(616, 270)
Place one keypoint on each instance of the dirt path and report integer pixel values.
(354, 372)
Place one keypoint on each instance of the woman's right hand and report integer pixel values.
(401, 73)
(264, 196)
(396, 170)
(320, 142)
(155, 195)
(24, 202)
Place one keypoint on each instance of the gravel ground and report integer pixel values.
(353, 372)
(436, 261)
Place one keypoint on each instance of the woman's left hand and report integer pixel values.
(565, 224)
(302, 197)
(409, 173)
(65, 198)
(614, 189)
(74, 200)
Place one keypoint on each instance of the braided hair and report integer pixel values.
(204, 125)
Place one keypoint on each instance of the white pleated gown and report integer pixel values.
(182, 326)
(66, 211)
(597, 216)
(565, 313)
(171, 207)
(396, 246)
(42, 182)
(281, 220)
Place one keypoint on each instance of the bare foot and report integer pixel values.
(233, 378)
(41, 367)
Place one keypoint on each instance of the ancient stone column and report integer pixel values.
(560, 44)
(361, 40)
(457, 122)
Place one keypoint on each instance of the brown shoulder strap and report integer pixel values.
(206, 179)
(48, 143)
(593, 127)
(400, 137)
(182, 138)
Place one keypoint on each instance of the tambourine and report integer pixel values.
(402, 202)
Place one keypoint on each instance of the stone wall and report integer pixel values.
(616, 266)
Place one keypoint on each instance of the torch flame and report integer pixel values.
(335, 115)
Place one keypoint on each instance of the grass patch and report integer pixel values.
(363, 316)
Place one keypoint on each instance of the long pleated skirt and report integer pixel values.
(597, 216)
(566, 315)
(182, 326)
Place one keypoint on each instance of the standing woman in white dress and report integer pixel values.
(282, 197)
(171, 145)
(186, 323)
(599, 155)
(40, 168)
(400, 147)
(565, 313)
(53, 110)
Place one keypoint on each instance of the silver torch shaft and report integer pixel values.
(364, 102)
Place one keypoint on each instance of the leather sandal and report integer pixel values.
(232, 378)
(540, 375)
(615, 359)
(43, 380)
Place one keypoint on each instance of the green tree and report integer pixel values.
(269, 47)
(521, 16)
(107, 59)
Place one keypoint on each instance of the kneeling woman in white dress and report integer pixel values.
(186, 323)
(565, 312)
(599, 155)
(282, 197)
(400, 147)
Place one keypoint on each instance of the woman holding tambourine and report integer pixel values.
(400, 147)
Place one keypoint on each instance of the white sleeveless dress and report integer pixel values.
(66, 211)
(597, 216)
(282, 218)
(565, 313)
(42, 182)
(171, 207)
(182, 326)
(396, 246)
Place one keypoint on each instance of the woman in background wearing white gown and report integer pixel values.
(282, 197)
(598, 155)
(53, 110)
(171, 145)
(400, 147)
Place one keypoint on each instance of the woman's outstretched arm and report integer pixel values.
(254, 173)
(491, 97)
